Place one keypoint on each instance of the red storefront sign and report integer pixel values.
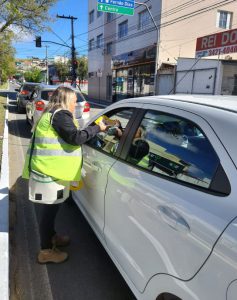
(216, 44)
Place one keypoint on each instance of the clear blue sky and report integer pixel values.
(62, 28)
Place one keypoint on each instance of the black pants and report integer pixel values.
(47, 228)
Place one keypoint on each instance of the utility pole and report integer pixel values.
(46, 63)
(73, 54)
(157, 45)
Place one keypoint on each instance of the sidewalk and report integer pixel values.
(4, 212)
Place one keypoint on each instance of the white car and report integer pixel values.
(162, 199)
(40, 97)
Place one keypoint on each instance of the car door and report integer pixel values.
(168, 197)
(99, 154)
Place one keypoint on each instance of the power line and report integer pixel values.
(192, 2)
(184, 17)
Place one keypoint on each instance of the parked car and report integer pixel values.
(162, 197)
(23, 95)
(40, 97)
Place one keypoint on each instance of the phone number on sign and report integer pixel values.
(223, 50)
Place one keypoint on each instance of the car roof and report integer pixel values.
(183, 101)
(47, 87)
(31, 83)
(43, 86)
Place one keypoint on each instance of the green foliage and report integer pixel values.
(26, 15)
(62, 70)
(82, 68)
(7, 61)
(33, 76)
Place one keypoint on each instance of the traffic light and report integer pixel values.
(38, 41)
(75, 64)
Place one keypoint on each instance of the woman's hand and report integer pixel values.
(102, 126)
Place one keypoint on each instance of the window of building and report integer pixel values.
(109, 48)
(91, 74)
(144, 19)
(99, 13)
(224, 19)
(99, 41)
(91, 44)
(123, 29)
(91, 16)
(110, 17)
(174, 147)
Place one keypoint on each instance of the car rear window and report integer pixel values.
(45, 95)
(27, 87)
(80, 98)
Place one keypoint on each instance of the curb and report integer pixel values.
(4, 215)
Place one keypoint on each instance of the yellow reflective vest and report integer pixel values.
(51, 155)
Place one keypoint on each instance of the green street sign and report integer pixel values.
(115, 9)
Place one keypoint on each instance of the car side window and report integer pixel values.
(109, 141)
(174, 147)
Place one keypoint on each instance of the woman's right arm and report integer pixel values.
(67, 130)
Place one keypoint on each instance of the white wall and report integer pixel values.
(208, 76)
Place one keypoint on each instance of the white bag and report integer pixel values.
(47, 190)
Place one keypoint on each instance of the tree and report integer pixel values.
(7, 61)
(82, 68)
(62, 69)
(29, 16)
(34, 75)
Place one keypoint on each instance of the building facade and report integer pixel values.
(183, 22)
(122, 52)
(122, 49)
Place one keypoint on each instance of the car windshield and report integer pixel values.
(46, 94)
(28, 87)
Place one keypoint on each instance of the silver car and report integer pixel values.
(23, 95)
(40, 97)
(162, 197)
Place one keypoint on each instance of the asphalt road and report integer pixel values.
(89, 274)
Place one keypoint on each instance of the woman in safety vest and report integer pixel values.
(53, 160)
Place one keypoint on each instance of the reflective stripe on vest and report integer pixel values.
(49, 140)
(53, 156)
(59, 152)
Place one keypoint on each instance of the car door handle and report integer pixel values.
(95, 166)
(173, 219)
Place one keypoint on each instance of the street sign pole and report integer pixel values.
(46, 63)
(157, 46)
(124, 7)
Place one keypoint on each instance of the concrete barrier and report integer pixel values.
(4, 216)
